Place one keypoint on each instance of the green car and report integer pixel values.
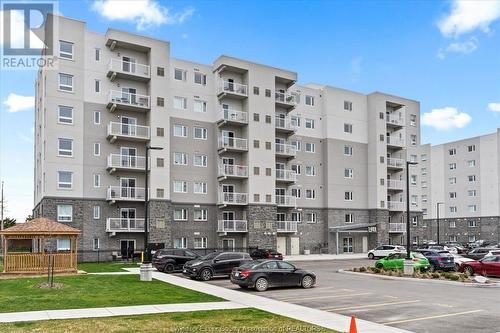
(396, 261)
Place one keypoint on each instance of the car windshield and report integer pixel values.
(418, 255)
(250, 265)
(210, 256)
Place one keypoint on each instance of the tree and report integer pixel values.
(29, 218)
(8, 222)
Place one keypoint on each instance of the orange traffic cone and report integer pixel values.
(352, 328)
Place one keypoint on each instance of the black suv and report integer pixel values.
(213, 264)
(266, 254)
(170, 260)
(439, 259)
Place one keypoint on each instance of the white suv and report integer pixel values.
(384, 250)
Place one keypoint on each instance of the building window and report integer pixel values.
(268, 119)
(200, 78)
(268, 93)
(180, 103)
(347, 106)
(268, 171)
(160, 162)
(453, 195)
(268, 145)
(200, 106)
(413, 139)
(296, 217)
(472, 238)
(65, 180)
(471, 193)
(200, 242)
(256, 143)
(413, 120)
(453, 238)
(65, 114)
(95, 244)
(180, 131)
(311, 218)
(255, 90)
(471, 178)
(295, 120)
(160, 193)
(424, 211)
(97, 149)
(200, 188)
(269, 198)
(413, 179)
(297, 145)
(296, 168)
(160, 131)
(471, 148)
(310, 147)
(452, 166)
(348, 196)
(200, 215)
(309, 123)
(65, 147)
(310, 170)
(452, 151)
(64, 213)
(414, 221)
(472, 223)
(413, 158)
(453, 224)
(97, 86)
(97, 180)
(471, 163)
(256, 197)
(180, 243)
(309, 100)
(180, 159)
(347, 150)
(296, 192)
(256, 171)
(200, 133)
(453, 209)
(180, 186)
(97, 117)
(452, 180)
(179, 74)
(200, 160)
(256, 117)
(348, 173)
(348, 128)
(160, 101)
(180, 214)
(423, 157)
(423, 171)
(63, 244)
(310, 194)
(349, 218)
(97, 54)
(97, 212)
(160, 71)
(65, 82)
(65, 50)
(414, 200)
(472, 208)
(424, 198)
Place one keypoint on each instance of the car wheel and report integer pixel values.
(307, 282)
(169, 268)
(469, 270)
(371, 256)
(205, 274)
(261, 284)
(379, 266)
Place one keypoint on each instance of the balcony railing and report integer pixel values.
(227, 170)
(397, 227)
(118, 224)
(286, 226)
(394, 184)
(287, 124)
(118, 193)
(395, 141)
(396, 162)
(233, 143)
(231, 198)
(232, 226)
(127, 67)
(285, 149)
(393, 120)
(133, 101)
(233, 116)
(232, 88)
(129, 162)
(396, 206)
(286, 175)
(286, 200)
(285, 98)
(129, 131)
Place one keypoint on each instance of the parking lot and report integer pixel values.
(415, 306)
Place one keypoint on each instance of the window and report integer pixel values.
(256, 171)
(96, 212)
(268, 198)
(180, 186)
(180, 131)
(97, 86)
(413, 158)
(65, 147)
(255, 90)
(256, 143)
(453, 238)
(160, 162)
(349, 218)
(65, 50)
(180, 243)
(424, 198)
(256, 197)
(297, 145)
(424, 211)
(65, 180)
(347, 150)
(471, 193)
(200, 243)
(268, 171)
(347, 173)
(471, 178)
(97, 180)
(310, 194)
(310, 170)
(179, 74)
(453, 209)
(200, 106)
(64, 213)
(97, 117)
(296, 217)
(268, 92)
(296, 192)
(200, 188)
(452, 180)
(65, 82)
(180, 214)
(256, 117)
(452, 151)
(295, 121)
(180, 103)
(309, 123)
(200, 160)
(200, 78)
(268, 119)
(453, 195)
(413, 139)
(296, 168)
(471, 163)
(310, 147)
(348, 128)
(471, 148)
(180, 159)
(63, 245)
(347, 106)
(160, 71)
(423, 157)
(160, 101)
(472, 238)
(413, 179)
(414, 220)
(472, 208)
(413, 120)
(453, 224)
(414, 200)
(309, 100)
(200, 215)
(268, 145)
(423, 171)
(160, 131)
(97, 54)
(65, 114)
(452, 166)
(348, 196)
(97, 149)
(200, 133)
(311, 217)
(472, 223)
(160, 193)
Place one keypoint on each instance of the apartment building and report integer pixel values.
(249, 157)
(461, 179)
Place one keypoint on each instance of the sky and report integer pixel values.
(445, 54)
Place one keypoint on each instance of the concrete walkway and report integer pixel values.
(316, 257)
(115, 311)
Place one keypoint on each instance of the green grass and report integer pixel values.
(90, 291)
(244, 320)
(94, 267)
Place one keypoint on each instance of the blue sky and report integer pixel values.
(446, 54)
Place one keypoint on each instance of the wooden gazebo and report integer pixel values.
(34, 236)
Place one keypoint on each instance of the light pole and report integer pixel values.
(146, 267)
(408, 238)
(437, 219)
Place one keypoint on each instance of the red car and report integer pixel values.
(488, 266)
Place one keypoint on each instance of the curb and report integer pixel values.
(398, 278)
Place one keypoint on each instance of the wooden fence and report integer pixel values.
(38, 262)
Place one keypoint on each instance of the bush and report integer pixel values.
(400, 273)
(435, 275)
(454, 277)
(362, 269)
(376, 270)
(389, 272)
(446, 275)
(355, 269)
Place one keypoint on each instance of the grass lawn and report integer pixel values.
(241, 320)
(91, 291)
(94, 267)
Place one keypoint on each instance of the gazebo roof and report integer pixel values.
(40, 227)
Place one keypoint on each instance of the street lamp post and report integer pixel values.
(437, 219)
(408, 267)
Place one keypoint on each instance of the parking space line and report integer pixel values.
(319, 297)
(329, 309)
(430, 317)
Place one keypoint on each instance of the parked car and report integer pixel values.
(439, 260)
(263, 274)
(459, 260)
(384, 250)
(456, 248)
(396, 261)
(214, 264)
(478, 252)
(266, 254)
(170, 260)
(493, 253)
(488, 266)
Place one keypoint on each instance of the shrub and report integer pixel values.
(355, 269)
(435, 275)
(454, 277)
(389, 272)
(376, 270)
(400, 273)
(362, 269)
(446, 275)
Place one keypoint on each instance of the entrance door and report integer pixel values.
(347, 245)
(127, 248)
(228, 138)
(230, 84)
(228, 218)
(128, 65)
(228, 244)
(128, 125)
(281, 244)
(128, 157)
(127, 187)
(129, 95)
(294, 246)
(365, 244)
(127, 218)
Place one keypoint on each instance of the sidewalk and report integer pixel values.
(317, 257)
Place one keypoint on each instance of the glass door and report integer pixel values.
(347, 245)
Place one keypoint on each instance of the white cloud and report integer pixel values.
(467, 16)
(16, 103)
(495, 107)
(144, 13)
(446, 118)
(459, 47)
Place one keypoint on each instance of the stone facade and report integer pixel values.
(262, 226)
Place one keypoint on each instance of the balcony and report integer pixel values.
(396, 206)
(117, 224)
(119, 193)
(286, 100)
(285, 150)
(121, 69)
(286, 176)
(119, 100)
(394, 121)
(286, 201)
(232, 89)
(395, 163)
(395, 185)
(231, 198)
(232, 226)
(286, 226)
(232, 171)
(286, 125)
(117, 162)
(397, 228)
(119, 131)
(395, 142)
(232, 117)
(232, 144)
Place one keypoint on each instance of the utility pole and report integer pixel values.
(1, 212)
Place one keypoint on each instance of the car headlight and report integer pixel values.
(196, 264)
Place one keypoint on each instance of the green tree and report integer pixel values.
(29, 218)
(8, 222)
